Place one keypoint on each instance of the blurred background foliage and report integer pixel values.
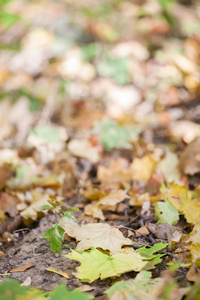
(127, 52)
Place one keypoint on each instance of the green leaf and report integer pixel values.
(55, 237)
(43, 207)
(23, 172)
(118, 286)
(165, 212)
(4, 2)
(10, 289)
(95, 264)
(142, 282)
(112, 134)
(47, 134)
(165, 3)
(90, 51)
(149, 252)
(8, 19)
(69, 216)
(62, 293)
(148, 255)
(75, 209)
(34, 104)
(116, 68)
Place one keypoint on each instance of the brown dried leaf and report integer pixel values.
(23, 268)
(190, 159)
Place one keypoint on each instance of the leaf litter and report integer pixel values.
(99, 158)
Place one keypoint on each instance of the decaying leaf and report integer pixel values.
(97, 235)
(23, 268)
(163, 231)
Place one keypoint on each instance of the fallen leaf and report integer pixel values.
(54, 270)
(142, 231)
(185, 130)
(32, 212)
(142, 168)
(165, 212)
(148, 255)
(94, 211)
(83, 149)
(193, 274)
(118, 171)
(48, 134)
(194, 241)
(184, 200)
(95, 264)
(190, 159)
(139, 200)
(98, 235)
(108, 202)
(62, 293)
(140, 287)
(27, 282)
(163, 231)
(23, 268)
(92, 193)
(169, 167)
